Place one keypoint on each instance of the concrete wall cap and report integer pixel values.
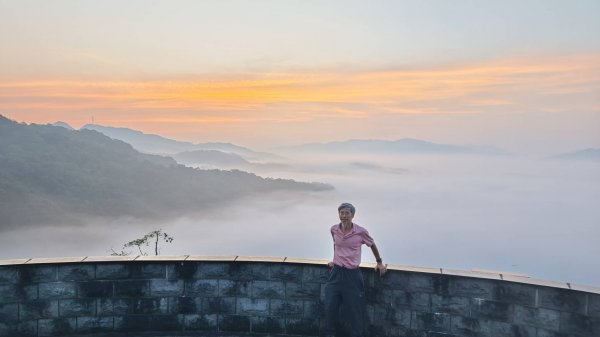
(110, 258)
(162, 258)
(47, 260)
(13, 262)
(259, 259)
(305, 261)
(533, 281)
(427, 270)
(211, 258)
(587, 289)
(473, 274)
(511, 277)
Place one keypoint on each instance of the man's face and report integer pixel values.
(346, 215)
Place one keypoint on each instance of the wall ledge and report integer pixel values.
(478, 274)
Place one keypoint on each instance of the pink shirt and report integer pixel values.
(347, 248)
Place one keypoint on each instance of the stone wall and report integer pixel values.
(52, 297)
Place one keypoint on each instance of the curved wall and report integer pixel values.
(52, 297)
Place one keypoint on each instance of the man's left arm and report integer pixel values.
(380, 266)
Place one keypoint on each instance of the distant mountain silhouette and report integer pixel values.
(64, 125)
(591, 154)
(402, 146)
(51, 175)
(150, 143)
(210, 157)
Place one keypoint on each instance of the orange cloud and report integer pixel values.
(543, 84)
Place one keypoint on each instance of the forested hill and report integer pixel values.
(52, 175)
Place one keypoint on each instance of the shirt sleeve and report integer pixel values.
(367, 239)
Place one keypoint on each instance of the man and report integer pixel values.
(345, 284)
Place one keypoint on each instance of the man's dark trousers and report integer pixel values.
(346, 287)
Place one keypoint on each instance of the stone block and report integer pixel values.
(18, 292)
(95, 289)
(315, 274)
(130, 323)
(114, 306)
(234, 323)
(95, 324)
(562, 299)
(56, 326)
(594, 305)
(467, 287)
(285, 272)
(148, 270)
(307, 291)
(378, 295)
(182, 271)
(517, 293)
(9, 313)
(150, 306)
(441, 284)
(450, 304)
(37, 273)
(77, 307)
(76, 272)
(131, 288)
(424, 283)
(234, 288)
(267, 289)
(219, 305)
(579, 324)
(200, 322)
(392, 280)
(166, 288)
(112, 271)
(184, 305)
(252, 306)
(213, 270)
(245, 271)
(481, 308)
(550, 333)
(9, 274)
(267, 324)
(57, 290)
(21, 329)
(481, 327)
(12, 262)
(166, 323)
(38, 309)
(430, 321)
(410, 300)
(202, 288)
(391, 316)
(290, 308)
(295, 326)
(538, 317)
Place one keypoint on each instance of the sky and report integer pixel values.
(523, 76)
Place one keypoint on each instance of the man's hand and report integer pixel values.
(330, 264)
(381, 268)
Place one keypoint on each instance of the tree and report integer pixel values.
(154, 236)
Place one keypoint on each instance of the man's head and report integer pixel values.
(346, 212)
(348, 206)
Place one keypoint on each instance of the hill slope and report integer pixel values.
(50, 174)
(156, 144)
